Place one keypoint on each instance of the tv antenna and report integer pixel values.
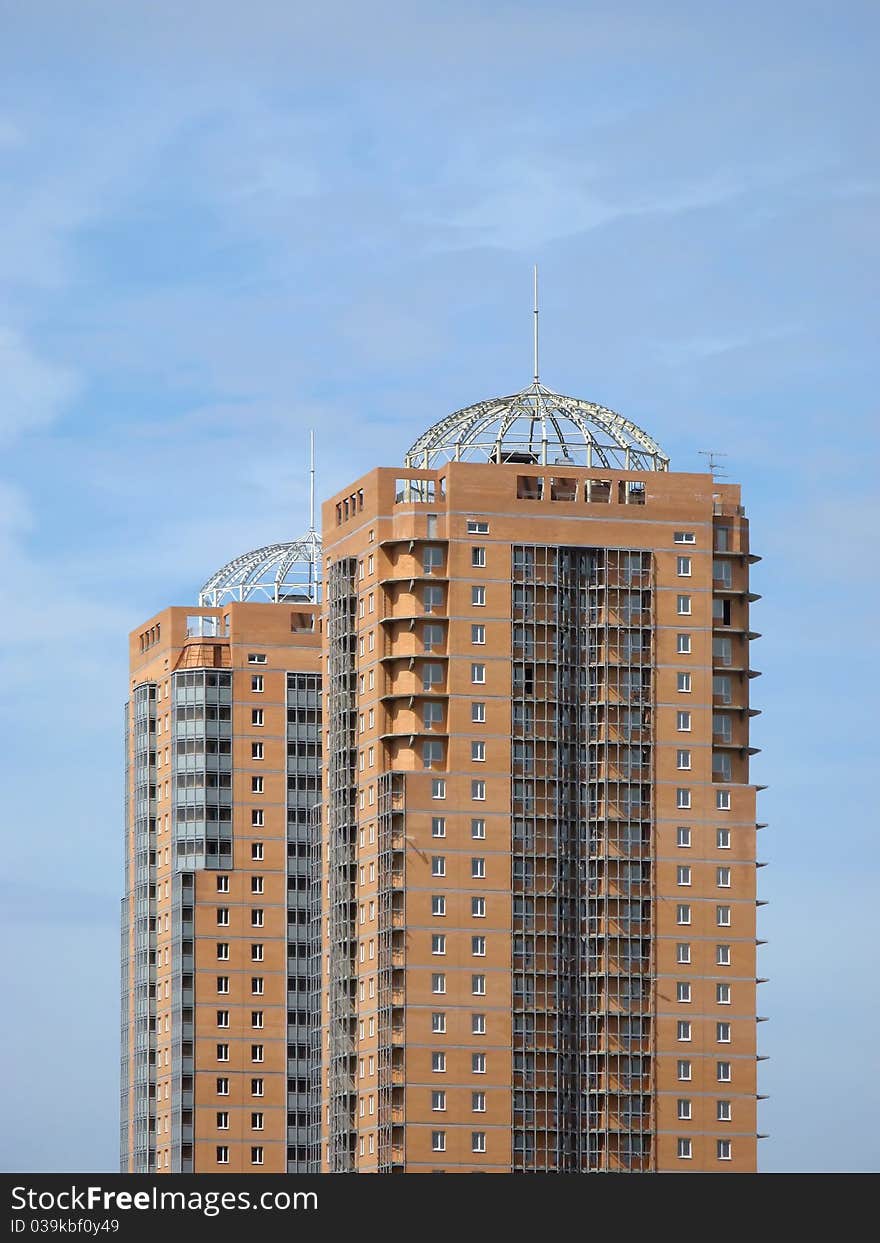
(711, 456)
(536, 323)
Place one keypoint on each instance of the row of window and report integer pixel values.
(722, 876)
(683, 956)
(258, 985)
(722, 991)
(223, 882)
(722, 1030)
(478, 1141)
(438, 944)
(683, 915)
(723, 1149)
(257, 917)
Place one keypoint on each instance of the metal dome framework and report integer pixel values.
(540, 426)
(274, 574)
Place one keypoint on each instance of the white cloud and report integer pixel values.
(35, 392)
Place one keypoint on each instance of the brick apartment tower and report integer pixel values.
(222, 745)
(536, 889)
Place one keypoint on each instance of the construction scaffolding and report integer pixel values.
(581, 866)
(341, 826)
(391, 903)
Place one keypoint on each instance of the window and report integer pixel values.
(722, 800)
(257, 985)
(478, 1063)
(222, 1052)
(223, 884)
(478, 675)
(683, 759)
(256, 1018)
(722, 955)
(432, 558)
(723, 1149)
(432, 675)
(684, 1071)
(722, 916)
(222, 950)
(257, 817)
(438, 826)
(684, 1149)
(478, 947)
(478, 828)
(256, 1156)
(222, 1154)
(683, 952)
(478, 1141)
(478, 908)
(222, 983)
(684, 1111)
(478, 557)
(683, 798)
(722, 994)
(722, 1072)
(478, 1102)
(478, 985)
(683, 644)
(438, 1022)
(438, 982)
(256, 658)
(256, 1122)
(478, 596)
(438, 787)
(432, 598)
(256, 1053)
(257, 682)
(256, 918)
(438, 1141)
(257, 716)
(478, 791)
(722, 1033)
(478, 868)
(684, 874)
(477, 526)
(683, 722)
(478, 751)
(683, 567)
(684, 537)
(723, 1111)
(256, 953)
(438, 904)
(438, 1062)
(222, 1087)
(722, 839)
(682, 836)
(478, 1024)
(432, 714)
(683, 606)
(683, 1029)
(256, 785)
(222, 1018)
(722, 572)
(432, 752)
(478, 713)
(683, 682)
(478, 634)
(438, 946)
(438, 1101)
(438, 865)
(223, 916)
(256, 884)
(682, 991)
(722, 878)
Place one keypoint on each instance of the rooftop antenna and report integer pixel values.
(711, 456)
(536, 323)
(312, 480)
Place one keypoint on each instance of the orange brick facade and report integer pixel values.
(423, 1066)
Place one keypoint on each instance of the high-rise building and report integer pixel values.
(508, 921)
(222, 738)
(537, 875)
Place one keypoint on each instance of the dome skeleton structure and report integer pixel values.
(538, 426)
(275, 574)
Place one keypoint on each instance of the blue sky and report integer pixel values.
(221, 224)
